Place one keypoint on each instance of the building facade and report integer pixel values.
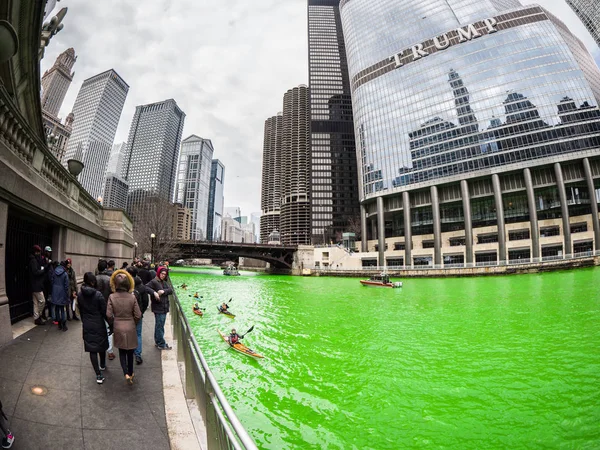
(334, 176)
(478, 132)
(115, 192)
(97, 111)
(589, 13)
(183, 225)
(295, 175)
(193, 182)
(115, 160)
(57, 133)
(151, 154)
(56, 82)
(270, 200)
(216, 201)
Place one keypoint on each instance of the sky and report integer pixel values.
(227, 64)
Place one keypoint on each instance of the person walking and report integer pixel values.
(9, 438)
(37, 272)
(103, 285)
(142, 294)
(50, 266)
(92, 309)
(111, 267)
(124, 312)
(60, 294)
(160, 307)
(71, 313)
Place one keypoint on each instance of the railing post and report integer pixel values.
(190, 387)
(212, 437)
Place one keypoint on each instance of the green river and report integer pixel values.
(506, 362)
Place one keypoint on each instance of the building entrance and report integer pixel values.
(23, 232)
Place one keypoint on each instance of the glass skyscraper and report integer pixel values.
(334, 187)
(478, 132)
(193, 182)
(97, 111)
(589, 13)
(151, 153)
(216, 201)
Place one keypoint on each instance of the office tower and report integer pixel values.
(255, 219)
(334, 176)
(151, 153)
(193, 182)
(97, 110)
(270, 200)
(216, 200)
(183, 222)
(56, 82)
(115, 160)
(589, 13)
(477, 128)
(115, 192)
(295, 168)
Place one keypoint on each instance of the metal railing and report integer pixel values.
(223, 428)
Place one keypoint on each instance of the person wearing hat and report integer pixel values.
(37, 272)
(72, 290)
(160, 306)
(50, 267)
(60, 294)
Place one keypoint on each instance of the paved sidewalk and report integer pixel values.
(76, 412)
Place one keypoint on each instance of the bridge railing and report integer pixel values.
(223, 428)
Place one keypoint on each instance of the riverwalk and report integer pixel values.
(74, 412)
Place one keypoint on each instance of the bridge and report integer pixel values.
(279, 256)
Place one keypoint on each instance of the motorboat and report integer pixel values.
(382, 280)
(231, 271)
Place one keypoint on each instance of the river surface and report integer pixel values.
(504, 362)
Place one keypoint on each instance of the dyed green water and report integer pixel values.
(466, 363)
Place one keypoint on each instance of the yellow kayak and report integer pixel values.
(226, 313)
(241, 348)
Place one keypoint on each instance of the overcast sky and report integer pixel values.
(226, 63)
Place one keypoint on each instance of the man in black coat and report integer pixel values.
(143, 294)
(103, 285)
(160, 306)
(37, 271)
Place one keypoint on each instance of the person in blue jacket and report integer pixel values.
(60, 294)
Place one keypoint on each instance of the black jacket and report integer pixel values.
(92, 308)
(145, 275)
(160, 306)
(143, 294)
(103, 284)
(37, 270)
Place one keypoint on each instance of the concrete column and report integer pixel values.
(363, 228)
(5, 328)
(373, 228)
(564, 208)
(466, 203)
(437, 226)
(531, 205)
(499, 219)
(592, 192)
(381, 231)
(407, 230)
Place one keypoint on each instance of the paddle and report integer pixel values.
(251, 328)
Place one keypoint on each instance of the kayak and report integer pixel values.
(198, 312)
(228, 314)
(241, 348)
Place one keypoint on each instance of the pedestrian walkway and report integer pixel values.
(74, 411)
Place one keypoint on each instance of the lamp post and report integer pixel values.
(135, 244)
(152, 238)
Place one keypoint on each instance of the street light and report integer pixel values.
(152, 238)
(135, 244)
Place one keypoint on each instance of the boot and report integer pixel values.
(39, 321)
(60, 327)
(64, 325)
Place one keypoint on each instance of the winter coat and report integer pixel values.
(144, 294)
(92, 308)
(160, 306)
(103, 284)
(37, 270)
(60, 286)
(72, 282)
(123, 312)
(145, 275)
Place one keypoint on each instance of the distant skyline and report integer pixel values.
(226, 64)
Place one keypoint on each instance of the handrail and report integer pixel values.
(224, 429)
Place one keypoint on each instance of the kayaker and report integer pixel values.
(234, 338)
(196, 295)
(224, 308)
(196, 306)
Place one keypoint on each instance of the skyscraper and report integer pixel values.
(97, 111)
(115, 192)
(334, 176)
(477, 127)
(216, 201)
(589, 13)
(296, 169)
(270, 201)
(115, 161)
(150, 160)
(193, 182)
(56, 82)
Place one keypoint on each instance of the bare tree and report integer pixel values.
(354, 226)
(155, 215)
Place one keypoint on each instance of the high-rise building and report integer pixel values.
(270, 200)
(235, 212)
(115, 161)
(478, 132)
(97, 111)
(216, 201)
(150, 160)
(255, 219)
(193, 182)
(589, 13)
(115, 192)
(295, 168)
(56, 82)
(183, 222)
(334, 176)
(57, 133)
